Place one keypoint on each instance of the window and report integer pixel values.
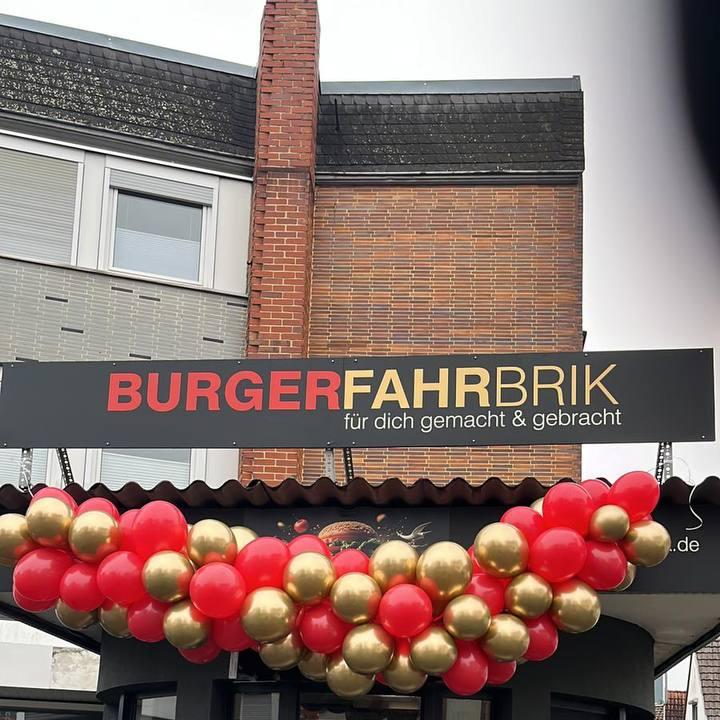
(461, 709)
(10, 466)
(257, 706)
(156, 708)
(145, 467)
(157, 236)
(322, 706)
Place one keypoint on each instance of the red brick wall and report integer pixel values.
(429, 270)
(282, 209)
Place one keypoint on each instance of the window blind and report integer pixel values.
(145, 467)
(160, 187)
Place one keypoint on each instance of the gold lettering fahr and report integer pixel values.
(351, 389)
(420, 387)
(391, 379)
(479, 388)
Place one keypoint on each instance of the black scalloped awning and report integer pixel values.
(324, 492)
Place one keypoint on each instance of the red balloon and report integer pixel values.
(57, 493)
(159, 526)
(204, 654)
(308, 543)
(598, 490)
(119, 577)
(475, 564)
(35, 606)
(635, 492)
(604, 567)
(405, 610)
(490, 589)
(558, 554)
(526, 520)
(126, 524)
(229, 634)
(321, 630)
(217, 590)
(38, 574)
(500, 672)
(79, 589)
(101, 505)
(145, 619)
(568, 505)
(469, 672)
(262, 563)
(543, 638)
(347, 561)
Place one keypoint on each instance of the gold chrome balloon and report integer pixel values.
(93, 536)
(113, 620)
(402, 676)
(501, 550)
(242, 536)
(647, 543)
(312, 666)
(528, 596)
(507, 638)
(48, 521)
(15, 539)
(368, 649)
(74, 619)
(575, 607)
(282, 654)
(308, 577)
(185, 626)
(630, 573)
(537, 505)
(393, 563)
(268, 614)
(166, 576)
(609, 523)
(467, 617)
(211, 541)
(443, 572)
(345, 682)
(433, 651)
(355, 597)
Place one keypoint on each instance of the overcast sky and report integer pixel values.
(652, 233)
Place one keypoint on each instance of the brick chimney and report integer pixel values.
(283, 199)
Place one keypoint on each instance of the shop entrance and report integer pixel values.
(325, 706)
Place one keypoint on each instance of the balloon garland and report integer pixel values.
(469, 617)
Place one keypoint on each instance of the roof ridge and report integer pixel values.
(457, 86)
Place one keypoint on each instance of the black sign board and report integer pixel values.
(457, 400)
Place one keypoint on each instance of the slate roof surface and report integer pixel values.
(479, 132)
(102, 88)
(708, 659)
(325, 492)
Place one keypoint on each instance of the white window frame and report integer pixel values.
(106, 247)
(35, 147)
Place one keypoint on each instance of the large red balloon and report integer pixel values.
(204, 654)
(217, 590)
(490, 589)
(57, 493)
(469, 672)
(35, 606)
(262, 562)
(308, 543)
(543, 638)
(598, 490)
(119, 577)
(145, 619)
(79, 589)
(568, 505)
(558, 554)
(159, 526)
(127, 519)
(38, 574)
(635, 492)
(229, 634)
(526, 520)
(500, 672)
(101, 505)
(321, 630)
(604, 567)
(405, 610)
(351, 560)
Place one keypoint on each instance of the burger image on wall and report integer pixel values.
(349, 534)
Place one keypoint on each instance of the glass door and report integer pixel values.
(325, 706)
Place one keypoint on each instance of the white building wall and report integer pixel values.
(694, 693)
